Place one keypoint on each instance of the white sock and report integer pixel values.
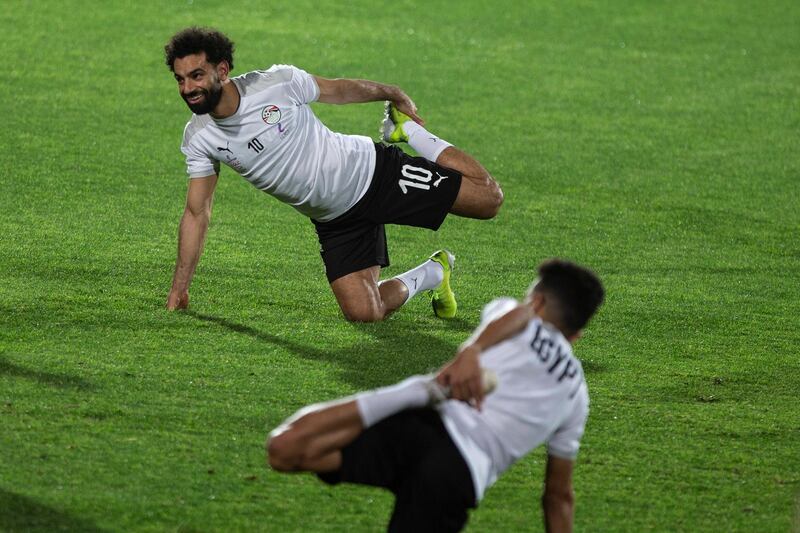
(426, 276)
(375, 405)
(425, 143)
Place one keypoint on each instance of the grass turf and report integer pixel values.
(656, 142)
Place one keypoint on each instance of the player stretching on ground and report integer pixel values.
(439, 461)
(261, 125)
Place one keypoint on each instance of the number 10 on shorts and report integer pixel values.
(417, 178)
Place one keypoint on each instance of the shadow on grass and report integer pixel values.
(8, 368)
(21, 513)
(397, 349)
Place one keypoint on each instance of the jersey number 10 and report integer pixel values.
(255, 145)
(417, 178)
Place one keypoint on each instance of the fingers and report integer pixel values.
(177, 302)
(469, 390)
(412, 112)
(407, 106)
(476, 391)
(464, 377)
(479, 392)
(416, 118)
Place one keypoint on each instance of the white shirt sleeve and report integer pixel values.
(199, 165)
(565, 442)
(302, 88)
(497, 308)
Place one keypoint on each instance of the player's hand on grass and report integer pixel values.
(177, 300)
(463, 376)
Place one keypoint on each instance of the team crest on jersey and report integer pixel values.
(271, 114)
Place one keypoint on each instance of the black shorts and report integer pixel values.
(410, 191)
(412, 455)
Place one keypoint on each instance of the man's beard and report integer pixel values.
(211, 98)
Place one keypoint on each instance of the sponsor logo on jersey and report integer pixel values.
(271, 114)
(236, 165)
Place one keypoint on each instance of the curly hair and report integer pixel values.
(194, 40)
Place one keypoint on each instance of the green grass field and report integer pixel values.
(658, 142)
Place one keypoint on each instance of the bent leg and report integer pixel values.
(363, 299)
(312, 439)
(436, 492)
(480, 195)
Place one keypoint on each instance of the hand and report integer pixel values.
(463, 376)
(404, 104)
(177, 300)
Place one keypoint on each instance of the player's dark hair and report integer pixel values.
(194, 40)
(577, 292)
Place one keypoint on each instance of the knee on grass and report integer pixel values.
(365, 311)
(285, 451)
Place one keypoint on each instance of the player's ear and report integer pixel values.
(537, 301)
(223, 69)
(575, 336)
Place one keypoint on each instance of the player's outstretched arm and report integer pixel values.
(463, 373)
(191, 235)
(349, 91)
(558, 500)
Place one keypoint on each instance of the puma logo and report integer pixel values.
(437, 182)
(226, 149)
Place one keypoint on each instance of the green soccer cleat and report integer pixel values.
(442, 297)
(392, 125)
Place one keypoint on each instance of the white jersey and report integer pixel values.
(541, 397)
(276, 143)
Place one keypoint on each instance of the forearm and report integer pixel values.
(191, 235)
(349, 91)
(501, 328)
(463, 373)
(558, 513)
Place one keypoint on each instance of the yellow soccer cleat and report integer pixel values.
(392, 125)
(442, 297)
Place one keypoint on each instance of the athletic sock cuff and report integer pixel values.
(424, 142)
(374, 406)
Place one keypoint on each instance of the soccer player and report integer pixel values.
(261, 125)
(439, 455)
